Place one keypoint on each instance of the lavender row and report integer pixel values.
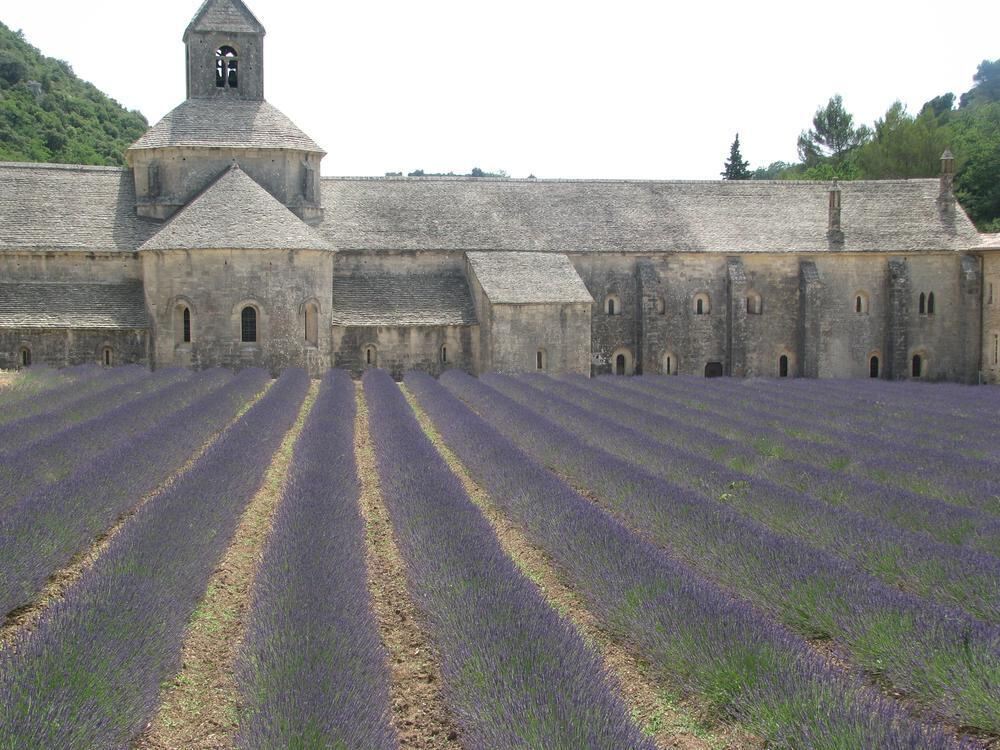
(913, 562)
(951, 477)
(516, 674)
(54, 399)
(697, 639)
(40, 380)
(312, 671)
(682, 426)
(58, 456)
(89, 675)
(944, 659)
(17, 435)
(45, 529)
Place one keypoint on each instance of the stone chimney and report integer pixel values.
(833, 231)
(946, 196)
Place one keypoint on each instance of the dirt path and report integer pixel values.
(24, 619)
(198, 709)
(419, 712)
(669, 723)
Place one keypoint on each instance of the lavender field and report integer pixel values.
(512, 561)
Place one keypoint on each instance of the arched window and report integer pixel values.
(227, 68)
(107, 356)
(873, 365)
(620, 364)
(369, 356)
(541, 361)
(25, 357)
(613, 305)
(186, 326)
(702, 304)
(923, 304)
(669, 364)
(311, 324)
(918, 366)
(783, 366)
(248, 325)
(755, 305)
(930, 303)
(861, 303)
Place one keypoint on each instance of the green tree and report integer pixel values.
(832, 136)
(736, 168)
(903, 146)
(986, 88)
(772, 171)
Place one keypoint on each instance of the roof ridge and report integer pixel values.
(60, 167)
(617, 181)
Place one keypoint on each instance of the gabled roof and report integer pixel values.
(73, 305)
(224, 15)
(60, 207)
(236, 213)
(402, 299)
(226, 123)
(525, 278)
(571, 216)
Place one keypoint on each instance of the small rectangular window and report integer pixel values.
(539, 361)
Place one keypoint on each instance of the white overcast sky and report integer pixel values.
(555, 88)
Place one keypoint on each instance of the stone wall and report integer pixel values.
(63, 266)
(168, 178)
(991, 316)
(217, 284)
(66, 347)
(432, 349)
(201, 48)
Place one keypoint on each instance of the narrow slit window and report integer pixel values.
(918, 366)
(25, 357)
(539, 360)
(873, 367)
(990, 298)
(783, 366)
(444, 355)
(699, 307)
(107, 356)
(930, 303)
(857, 304)
(187, 325)
(996, 349)
(923, 304)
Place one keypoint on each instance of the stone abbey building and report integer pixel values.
(221, 244)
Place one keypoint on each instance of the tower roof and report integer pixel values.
(226, 123)
(224, 15)
(235, 213)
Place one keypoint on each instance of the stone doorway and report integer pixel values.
(714, 370)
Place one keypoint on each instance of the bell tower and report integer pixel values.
(225, 52)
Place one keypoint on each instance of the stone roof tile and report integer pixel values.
(224, 15)
(72, 305)
(990, 241)
(226, 123)
(60, 207)
(525, 278)
(429, 299)
(574, 216)
(236, 213)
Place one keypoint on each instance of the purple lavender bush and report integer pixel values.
(56, 398)
(42, 532)
(938, 655)
(89, 676)
(516, 674)
(696, 638)
(312, 670)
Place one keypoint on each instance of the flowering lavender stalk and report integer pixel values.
(516, 674)
(943, 657)
(312, 671)
(42, 532)
(694, 636)
(89, 675)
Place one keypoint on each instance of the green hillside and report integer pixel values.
(47, 114)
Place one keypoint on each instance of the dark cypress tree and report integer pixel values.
(736, 168)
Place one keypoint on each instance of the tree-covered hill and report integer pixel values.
(47, 114)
